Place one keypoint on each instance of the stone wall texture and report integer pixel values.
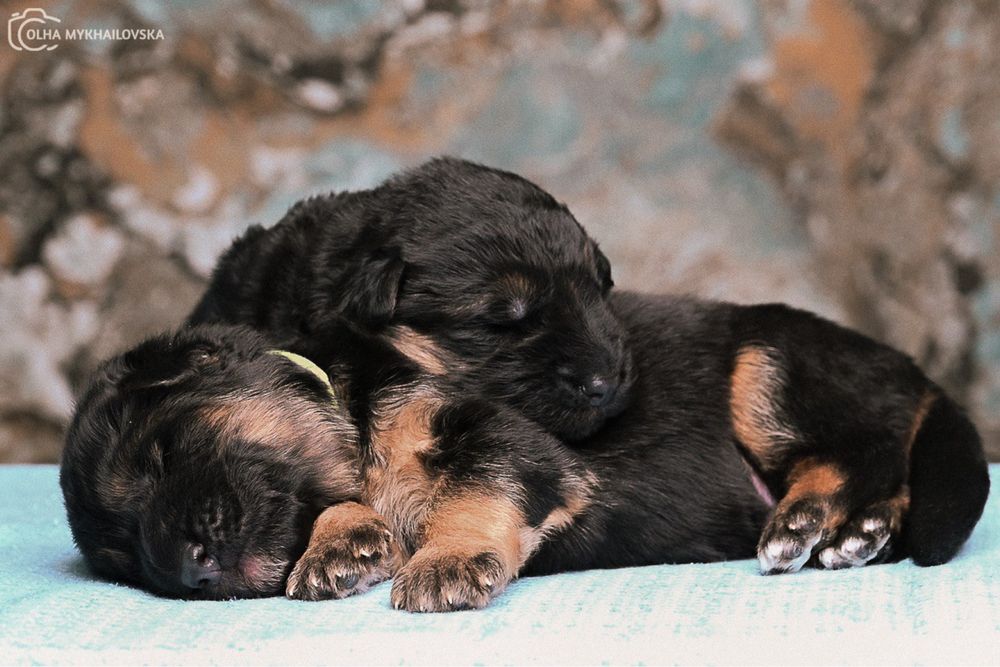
(839, 155)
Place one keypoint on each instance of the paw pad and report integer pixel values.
(440, 581)
(858, 543)
(789, 538)
(350, 564)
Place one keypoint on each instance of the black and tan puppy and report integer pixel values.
(482, 275)
(468, 268)
(676, 420)
(197, 462)
(201, 464)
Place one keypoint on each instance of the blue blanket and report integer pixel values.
(53, 611)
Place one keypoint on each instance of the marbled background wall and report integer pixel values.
(840, 155)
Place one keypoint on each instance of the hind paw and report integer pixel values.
(810, 531)
(789, 539)
(865, 539)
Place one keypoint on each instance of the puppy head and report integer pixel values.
(487, 277)
(196, 462)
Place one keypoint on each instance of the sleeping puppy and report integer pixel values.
(197, 463)
(465, 268)
(208, 464)
(636, 429)
(479, 274)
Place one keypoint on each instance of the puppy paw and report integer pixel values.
(440, 581)
(792, 534)
(344, 564)
(864, 539)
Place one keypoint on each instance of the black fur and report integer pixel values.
(950, 483)
(452, 231)
(479, 284)
(148, 475)
(674, 488)
(143, 476)
(500, 274)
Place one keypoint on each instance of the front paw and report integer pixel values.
(437, 580)
(344, 564)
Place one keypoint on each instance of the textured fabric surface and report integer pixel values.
(52, 611)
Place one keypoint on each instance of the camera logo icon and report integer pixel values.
(30, 30)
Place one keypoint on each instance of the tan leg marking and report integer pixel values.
(477, 522)
(822, 482)
(474, 544)
(577, 502)
(471, 550)
(755, 384)
(398, 485)
(339, 519)
(809, 478)
(805, 519)
(350, 550)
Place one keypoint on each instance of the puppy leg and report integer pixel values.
(502, 488)
(838, 468)
(471, 551)
(866, 538)
(350, 550)
(821, 520)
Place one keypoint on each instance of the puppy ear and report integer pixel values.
(370, 288)
(169, 368)
(603, 269)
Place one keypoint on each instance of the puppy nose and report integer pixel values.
(198, 569)
(599, 390)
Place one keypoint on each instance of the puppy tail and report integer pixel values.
(949, 482)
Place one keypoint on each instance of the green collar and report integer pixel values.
(309, 366)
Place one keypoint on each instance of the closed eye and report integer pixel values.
(510, 312)
(517, 309)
